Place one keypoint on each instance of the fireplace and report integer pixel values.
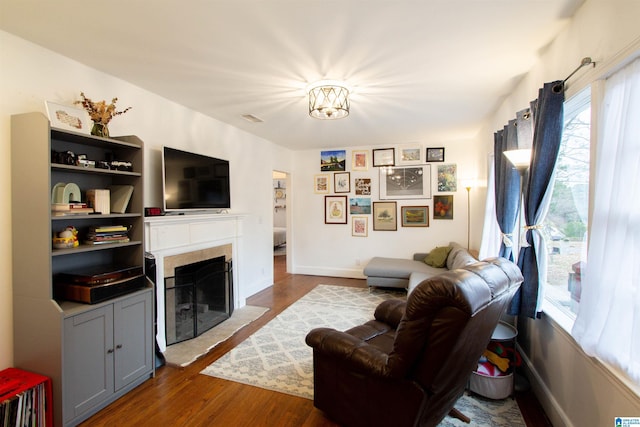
(198, 296)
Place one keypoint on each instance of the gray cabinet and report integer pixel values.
(94, 353)
(105, 350)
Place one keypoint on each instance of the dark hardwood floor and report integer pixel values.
(183, 397)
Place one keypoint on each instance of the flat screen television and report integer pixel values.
(193, 181)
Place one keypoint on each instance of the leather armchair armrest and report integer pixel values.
(356, 354)
(390, 312)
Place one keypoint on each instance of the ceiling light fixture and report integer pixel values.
(328, 101)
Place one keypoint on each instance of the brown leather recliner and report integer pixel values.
(410, 365)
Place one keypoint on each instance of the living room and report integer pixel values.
(571, 386)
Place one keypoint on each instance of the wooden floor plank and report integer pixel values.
(183, 397)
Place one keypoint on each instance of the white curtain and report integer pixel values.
(490, 243)
(608, 320)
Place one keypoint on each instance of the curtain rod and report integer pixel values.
(585, 61)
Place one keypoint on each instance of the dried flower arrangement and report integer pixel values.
(101, 113)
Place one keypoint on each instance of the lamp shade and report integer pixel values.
(521, 159)
(328, 102)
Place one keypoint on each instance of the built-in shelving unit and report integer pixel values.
(94, 353)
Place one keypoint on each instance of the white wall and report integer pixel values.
(575, 390)
(32, 75)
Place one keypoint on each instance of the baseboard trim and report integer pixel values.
(330, 272)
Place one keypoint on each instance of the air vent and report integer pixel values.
(251, 118)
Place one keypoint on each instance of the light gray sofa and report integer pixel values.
(408, 273)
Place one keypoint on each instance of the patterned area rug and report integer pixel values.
(186, 352)
(277, 358)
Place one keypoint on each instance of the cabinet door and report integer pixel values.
(88, 360)
(133, 338)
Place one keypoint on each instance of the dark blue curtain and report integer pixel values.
(507, 187)
(548, 117)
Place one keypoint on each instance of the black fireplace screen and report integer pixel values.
(198, 297)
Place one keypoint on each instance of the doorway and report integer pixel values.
(280, 222)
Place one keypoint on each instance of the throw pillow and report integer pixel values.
(438, 256)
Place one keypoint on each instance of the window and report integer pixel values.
(566, 221)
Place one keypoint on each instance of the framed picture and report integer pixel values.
(341, 182)
(360, 206)
(335, 209)
(415, 216)
(333, 160)
(362, 186)
(359, 160)
(359, 226)
(435, 154)
(447, 180)
(385, 216)
(321, 184)
(443, 207)
(410, 155)
(68, 118)
(384, 157)
(405, 182)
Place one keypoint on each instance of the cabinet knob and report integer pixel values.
(110, 351)
(119, 346)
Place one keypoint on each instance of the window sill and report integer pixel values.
(564, 321)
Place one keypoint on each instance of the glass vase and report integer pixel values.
(100, 129)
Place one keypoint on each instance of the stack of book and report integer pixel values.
(66, 209)
(107, 234)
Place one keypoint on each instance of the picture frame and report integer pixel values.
(443, 207)
(384, 157)
(335, 209)
(341, 182)
(385, 216)
(68, 118)
(415, 216)
(321, 184)
(435, 154)
(333, 160)
(359, 226)
(360, 206)
(447, 178)
(410, 155)
(362, 186)
(359, 160)
(405, 182)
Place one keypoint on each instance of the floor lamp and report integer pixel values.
(468, 185)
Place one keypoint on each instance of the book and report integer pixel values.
(120, 196)
(99, 199)
(108, 228)
(69, 207)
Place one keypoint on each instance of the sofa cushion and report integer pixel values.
(397, 267)
(438, 257)
(459, 257)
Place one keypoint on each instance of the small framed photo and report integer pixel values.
(384, 157)
(362, 186)
(335, 209)
(341, 182)
(360, 205)
(435, 154)
(385, 217)
(333, 160)
(359, 226)
(447, 178)
(415, 216)
(321, 184)
(68, 118)
(410, 155)
(359, 160)
(443, 207)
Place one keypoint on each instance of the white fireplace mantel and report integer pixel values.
(177, 234)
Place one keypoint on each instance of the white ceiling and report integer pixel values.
(419, 70)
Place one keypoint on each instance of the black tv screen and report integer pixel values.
(194, 182)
